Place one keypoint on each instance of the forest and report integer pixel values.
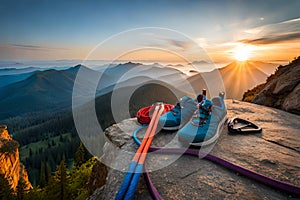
(63, 183)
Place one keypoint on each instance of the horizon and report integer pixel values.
(94, 64)
(188, 69)
(250, 30)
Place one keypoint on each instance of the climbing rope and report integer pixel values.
(280, 185)
(135, 169)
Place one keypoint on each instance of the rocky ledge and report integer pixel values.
(275, 152)
(281, 90)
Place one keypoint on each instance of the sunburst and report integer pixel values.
(242, 53)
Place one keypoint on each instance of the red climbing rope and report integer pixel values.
(144, 114)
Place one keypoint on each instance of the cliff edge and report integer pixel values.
(10, 164)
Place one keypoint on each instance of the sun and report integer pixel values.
(241, 56)
(242, 53)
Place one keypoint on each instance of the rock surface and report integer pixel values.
(282, 89)
(10, 164)
(275, 152)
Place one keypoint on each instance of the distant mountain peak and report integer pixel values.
(199, 62)
(132, 63)
(156, 63)
(126, 65)
(77, 67)
(175, 65)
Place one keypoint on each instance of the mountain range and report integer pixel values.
(14, 71)
(41, 91)
(13, 78)
(52, 89)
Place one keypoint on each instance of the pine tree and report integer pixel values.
(21, 187)
(62, 176)
(58, 185)
(51, 191)
(79, 156)
(6, 192)
(42, 175)
(35, 194)
(48, 172)
(30, 152)
(61, 139)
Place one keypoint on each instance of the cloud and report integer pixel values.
(169, 43)
(285, 31)
(27, 46)
(290, 21)
(272, 39)
(35, 47)
(184, 45)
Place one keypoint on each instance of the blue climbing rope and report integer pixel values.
(135, 169)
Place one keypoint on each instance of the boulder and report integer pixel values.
(292, 101)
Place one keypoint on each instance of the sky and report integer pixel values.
(184, 30)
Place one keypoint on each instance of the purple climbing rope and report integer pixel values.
(280, 185)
